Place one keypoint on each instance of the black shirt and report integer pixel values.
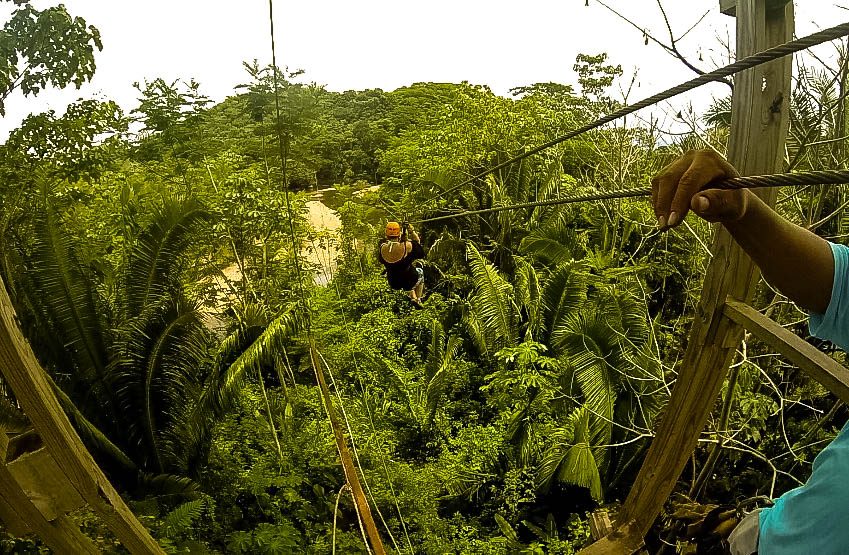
(402, 274)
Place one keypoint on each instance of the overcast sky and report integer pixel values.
(391, 43)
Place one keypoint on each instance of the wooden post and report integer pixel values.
(344, 454)
(21, 516)
(33, 391)
(760, 121)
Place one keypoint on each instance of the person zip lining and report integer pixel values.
(397, 255)
(813, 273)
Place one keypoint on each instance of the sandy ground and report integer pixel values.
(321, 252)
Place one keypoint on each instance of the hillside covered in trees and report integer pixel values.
(520, 398)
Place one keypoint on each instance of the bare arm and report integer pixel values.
(791, 258)
(413, 235)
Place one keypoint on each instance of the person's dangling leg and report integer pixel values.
(419, 288)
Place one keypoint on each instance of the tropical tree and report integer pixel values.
(58, 49)
(128, 362)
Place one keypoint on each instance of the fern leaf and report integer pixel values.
(226, 380)
(181, 518)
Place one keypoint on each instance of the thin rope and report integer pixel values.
(360, 521)
(283, 167)
(346, 326)
(748, 62)
(284, 147)
(354, 448)
(335, 511)
(826, 177)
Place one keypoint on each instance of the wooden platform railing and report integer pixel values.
(824, 369)
(63, 462)
(627, 538)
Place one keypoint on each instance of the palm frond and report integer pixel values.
(563, 294)
(158, 252)
(718, 114)
(167, 486)
(397, 378)
(624, 312)
(570, 457)
(522, 433)
(475, 328)
(594, 352)
(65, 293)
(95, 440)
(226, 380)
(160, 353)
(446, 250)
(492, 301)
(434, 349)
(554, 242)
(443, 179)
(529, 295)
(438, 367)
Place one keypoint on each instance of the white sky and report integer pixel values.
(386, 44)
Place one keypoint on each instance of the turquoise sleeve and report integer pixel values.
(834, 324)
(812, 518)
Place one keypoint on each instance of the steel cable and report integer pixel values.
(826, 177)
(715, 75)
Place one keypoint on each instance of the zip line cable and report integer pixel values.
(748, 62)
(826, 177)
(361, 506)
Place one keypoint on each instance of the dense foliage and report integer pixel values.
(165, 279)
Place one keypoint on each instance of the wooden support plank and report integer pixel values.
(12, 520)
(728, 7)
(600, 524)
(345, 454)
(32, 389)
(625, 540)
(31, 465)
(61, 535)
(8, 516)
(759, 126)
(830, 373)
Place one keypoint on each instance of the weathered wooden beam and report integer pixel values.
(760, 121)
(61, 535)
(31, 465)
(827, 371)
(624, 540)
(729, 7)
(34, 393)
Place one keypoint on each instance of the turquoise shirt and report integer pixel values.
(814, 518)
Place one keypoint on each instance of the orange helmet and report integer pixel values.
(393, 230)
